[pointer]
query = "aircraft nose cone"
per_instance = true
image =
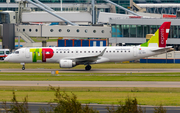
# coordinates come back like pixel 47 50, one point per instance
pixel 6 59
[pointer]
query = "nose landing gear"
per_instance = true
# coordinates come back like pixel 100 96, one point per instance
pixel 88 67
pixel 23 68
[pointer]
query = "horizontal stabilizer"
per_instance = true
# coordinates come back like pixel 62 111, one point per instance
pixel 167 49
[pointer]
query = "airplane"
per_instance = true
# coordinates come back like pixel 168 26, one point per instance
pixel 69 57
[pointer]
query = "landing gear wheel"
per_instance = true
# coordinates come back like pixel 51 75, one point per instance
pixel 23 64
pixel 88 67
pixel 23 68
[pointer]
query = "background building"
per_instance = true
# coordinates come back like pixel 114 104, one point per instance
pixel 158 6
pixel 69 5
pixel 125 28
pixel 133 30
pixel 151 6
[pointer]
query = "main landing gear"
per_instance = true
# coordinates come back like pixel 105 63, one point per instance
pixel 88 67
pixel 23 64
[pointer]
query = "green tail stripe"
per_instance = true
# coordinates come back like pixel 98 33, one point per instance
pixel 153 39
pixel 144 44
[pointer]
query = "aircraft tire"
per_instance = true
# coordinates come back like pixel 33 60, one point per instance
pixel 23 68
pixel 88 67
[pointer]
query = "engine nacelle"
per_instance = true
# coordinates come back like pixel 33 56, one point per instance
pixel 67 63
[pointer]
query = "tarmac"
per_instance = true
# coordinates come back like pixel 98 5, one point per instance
pixel 94 70
pixel 92 83
pixel 34 107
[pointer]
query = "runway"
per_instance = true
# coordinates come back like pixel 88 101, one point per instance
pixel 92 83
pixel 34 107
pixel 94 70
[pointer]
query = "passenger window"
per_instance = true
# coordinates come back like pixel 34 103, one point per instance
pixel 124 51
pixel 80 51
pixel 121 51
pixel 129 51
pixel 96 51
pixel 84 51
pixel 60 51
pixel 118 51
pixel 76 51
pixel 71 51
pixel 88 51
pixel 114 51
pixel 64 51
pixel 92 51
pixel 7 52
pixel 100 51
pixel 56 51
pixel 110 51
pixel 106 51
pixel 68 52
pixel 48 52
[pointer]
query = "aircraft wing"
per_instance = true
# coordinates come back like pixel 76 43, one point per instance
pixel 87 58
pixel 167 49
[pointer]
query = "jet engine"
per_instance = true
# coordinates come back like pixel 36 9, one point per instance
pixel 67 63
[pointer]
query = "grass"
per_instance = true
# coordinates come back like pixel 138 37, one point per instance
pixel 35 40
pixel 90 76
pixel 21 40
pixel 145 96
pixel 110 65
pixel 92 89
pixel 50 40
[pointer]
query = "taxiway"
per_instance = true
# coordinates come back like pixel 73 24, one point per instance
pixel 92 83
pixel 95 70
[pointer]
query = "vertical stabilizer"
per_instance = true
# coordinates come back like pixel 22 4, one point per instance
pixel 160 37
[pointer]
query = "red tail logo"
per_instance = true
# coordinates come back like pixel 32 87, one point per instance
pixel 163 33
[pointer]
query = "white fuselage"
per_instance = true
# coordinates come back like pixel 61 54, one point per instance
pixel 111 54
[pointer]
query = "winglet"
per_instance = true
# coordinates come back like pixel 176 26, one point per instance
pixel 160 37
pixel 101 54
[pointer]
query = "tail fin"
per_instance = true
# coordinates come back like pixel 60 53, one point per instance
pixel 160 37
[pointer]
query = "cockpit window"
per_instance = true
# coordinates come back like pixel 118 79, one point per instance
pixel 16 52
pixel 7 52
pixel 1 52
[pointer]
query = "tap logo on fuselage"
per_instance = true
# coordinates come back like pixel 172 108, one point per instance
pixel 41 54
